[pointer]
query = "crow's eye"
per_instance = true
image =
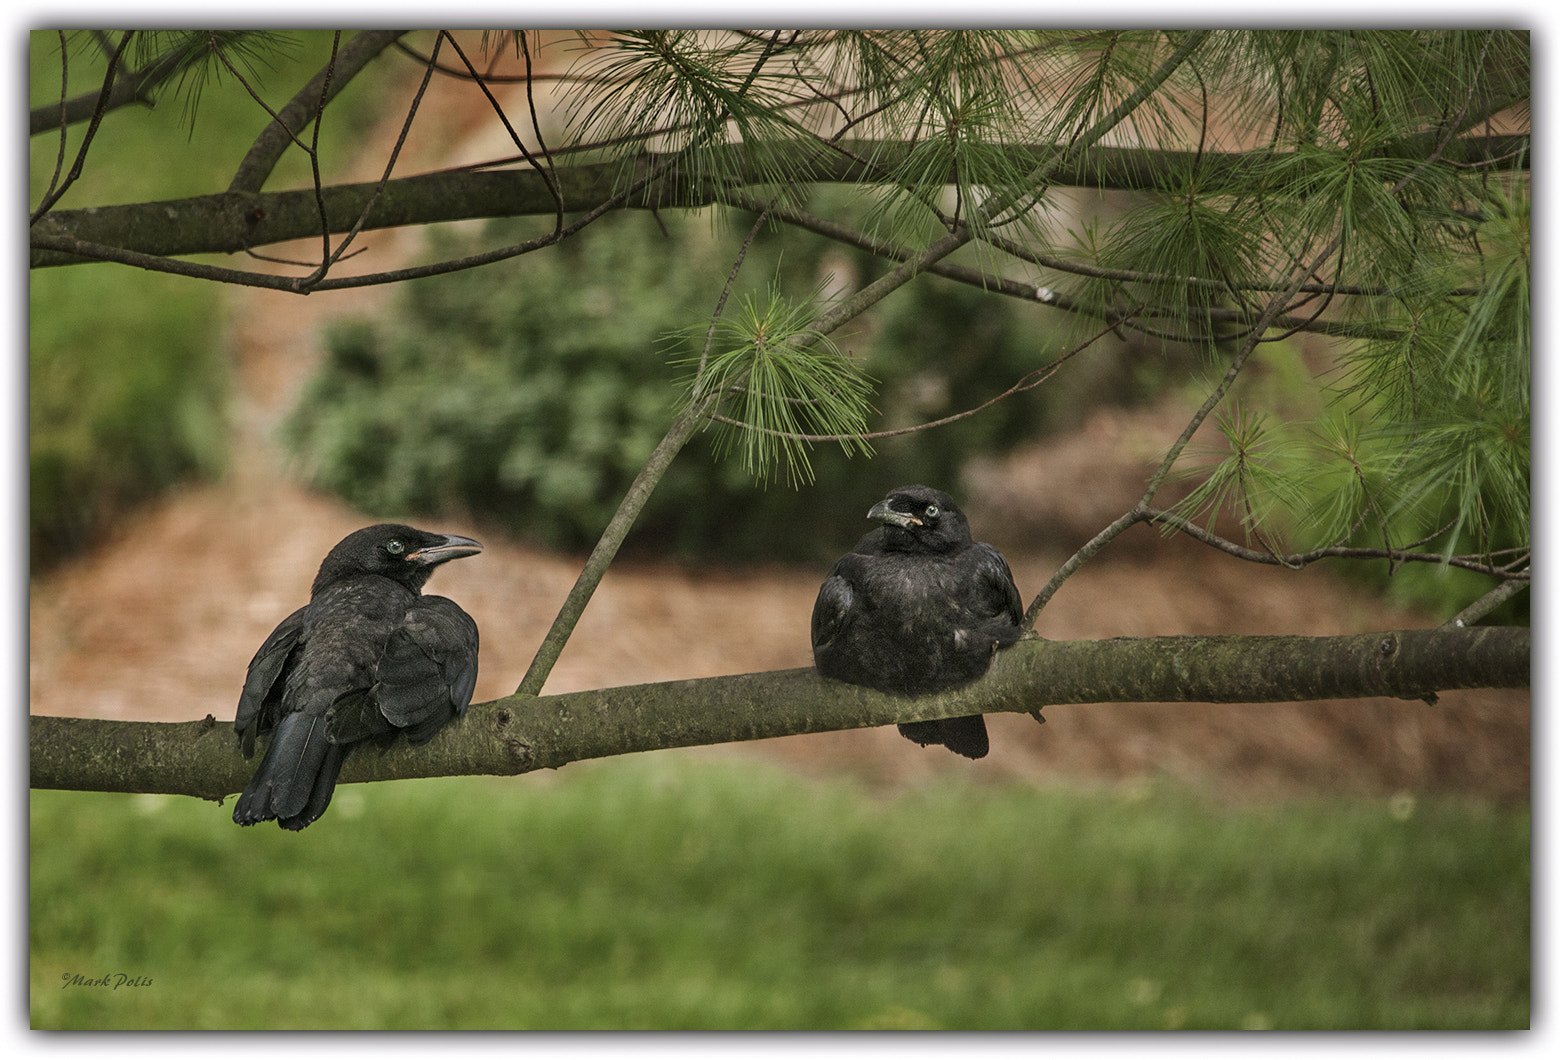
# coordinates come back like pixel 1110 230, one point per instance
pixel 394 546
pixel 932 511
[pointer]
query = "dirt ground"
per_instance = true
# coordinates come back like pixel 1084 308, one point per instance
pixel 159 622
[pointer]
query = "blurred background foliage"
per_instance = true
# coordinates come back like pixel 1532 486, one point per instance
pixel 528 394
pixel 128 379
pixel 125 398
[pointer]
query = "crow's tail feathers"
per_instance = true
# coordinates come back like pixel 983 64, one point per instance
pixel 965 736
pixel 296 777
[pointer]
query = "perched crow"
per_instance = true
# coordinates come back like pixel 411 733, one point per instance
pixel 366 658
pixel 918 606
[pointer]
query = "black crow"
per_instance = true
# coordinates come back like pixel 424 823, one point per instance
pixel 918 606
pixel 366 658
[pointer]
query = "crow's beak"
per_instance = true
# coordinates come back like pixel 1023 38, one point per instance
pixel 884 514
pixel 454 547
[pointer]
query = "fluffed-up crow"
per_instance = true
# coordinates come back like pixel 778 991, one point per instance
pixel 368 657
pixel 918 606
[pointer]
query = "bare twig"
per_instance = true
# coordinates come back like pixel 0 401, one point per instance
pixel 329 258
pixel 633 501
pixel 536 129
pixel 1480 563
pixel 311 149
pixel 59 157
pixel 273 140
pixel 1488 602
pixel 56 192
pixel 1135 514
pixel 482 82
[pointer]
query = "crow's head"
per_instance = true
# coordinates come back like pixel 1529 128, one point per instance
pixel 403 553
pixel 919 518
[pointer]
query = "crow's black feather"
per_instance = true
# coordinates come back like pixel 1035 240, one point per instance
pixel 918 607
pixel 367 658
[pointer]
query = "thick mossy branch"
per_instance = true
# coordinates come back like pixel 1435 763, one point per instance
pixel 521 733
pixel 235 221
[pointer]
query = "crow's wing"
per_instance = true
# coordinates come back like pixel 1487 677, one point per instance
pixel 355 717
pixel 832 611
pixel 996 582
pixel 428 669
pixel 265 670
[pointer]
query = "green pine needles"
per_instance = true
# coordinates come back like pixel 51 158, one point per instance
pixel 779 387
pixel 1259 159
pixel 1284 185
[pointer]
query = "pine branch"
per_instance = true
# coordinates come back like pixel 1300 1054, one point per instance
pixel 1512 578
pixel 240 219
pixel 1110 315
pixel 273 141
pixel 523 733
pixel 57 187
pixel 639 491
pixel 611 540
pixel 1256 335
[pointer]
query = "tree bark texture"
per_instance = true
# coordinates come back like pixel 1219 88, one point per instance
pixel 234 221
pixel 520 733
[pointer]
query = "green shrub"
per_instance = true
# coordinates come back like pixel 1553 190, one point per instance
pixel 529 394
pixel 118 417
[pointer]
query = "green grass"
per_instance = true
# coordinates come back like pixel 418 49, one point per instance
pixel 664 891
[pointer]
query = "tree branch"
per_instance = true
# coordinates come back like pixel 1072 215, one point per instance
pixel 1479 564
pixel 136 87
pixel 518 734
pixel 241 219
pixel 633 502
pixel 272 142
pixel 611 540
pixel 57 188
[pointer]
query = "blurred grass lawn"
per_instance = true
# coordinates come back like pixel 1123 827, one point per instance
pixel 683 892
